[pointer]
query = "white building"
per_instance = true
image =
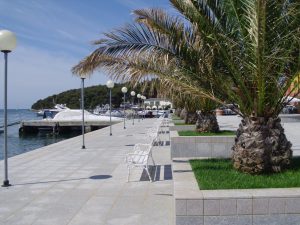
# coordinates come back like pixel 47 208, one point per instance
pixel 158 103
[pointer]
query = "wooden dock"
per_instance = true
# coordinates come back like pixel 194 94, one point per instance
pixel 55 126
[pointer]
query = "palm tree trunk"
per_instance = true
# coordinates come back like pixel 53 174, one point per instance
pixel 261 146
pixel 207 122
pixel 190 118
pixel 183 113
pixel 177 112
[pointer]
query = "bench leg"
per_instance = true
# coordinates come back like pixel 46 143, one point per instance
pixel 146 168
pixel 128 173
pixel 152 159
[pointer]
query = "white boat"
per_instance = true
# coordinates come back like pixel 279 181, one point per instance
pixel 100 110
pixel 76 115
pixel 51 112
pixel 115 113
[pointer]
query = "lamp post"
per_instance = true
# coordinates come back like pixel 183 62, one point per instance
pixel 124 91
pixel 144 98
pixel 8 42
pixel 82 77
pixel 110 84
pixel 132 94
pixel 139 97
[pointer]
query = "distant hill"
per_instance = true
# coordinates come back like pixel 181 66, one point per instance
pixel 93 96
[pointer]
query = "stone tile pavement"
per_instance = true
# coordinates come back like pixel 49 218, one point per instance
pixel 62 184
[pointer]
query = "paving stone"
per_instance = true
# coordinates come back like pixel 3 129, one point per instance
pixel 292 205
pixel 228 207
pixel 281 219
pixel 194 207
pixel 261 206
pixel 189 220
pixel 244 206
pixel 181 207
pixel 211 207
pixel 277 205
pixel 228 220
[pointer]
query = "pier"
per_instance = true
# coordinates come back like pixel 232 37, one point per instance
pixel 63 184
pixel 10 124
pixel 56 126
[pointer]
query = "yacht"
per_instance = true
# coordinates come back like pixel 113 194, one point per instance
pixel 51 112
pixel 76 115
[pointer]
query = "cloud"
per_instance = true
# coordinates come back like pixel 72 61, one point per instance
pixel 49 23
pixel 52 37
pixel 34 74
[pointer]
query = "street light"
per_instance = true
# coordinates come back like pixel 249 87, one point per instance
pixel 110 84
pixel 124 90
pixel 132 94
pixel 139 97
pixel 82 76
pixel 8 42
pixel 144 98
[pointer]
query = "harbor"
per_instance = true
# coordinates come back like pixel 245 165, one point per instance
pixel 34 126
pixel 67 120
pixel 171 112
pixel 66 185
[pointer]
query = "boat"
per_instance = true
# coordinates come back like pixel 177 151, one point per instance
pixel 114 113
pixel 51 112
pixel 76 115
pixel 100 110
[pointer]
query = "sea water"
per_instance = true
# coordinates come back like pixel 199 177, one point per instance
pixel 18 143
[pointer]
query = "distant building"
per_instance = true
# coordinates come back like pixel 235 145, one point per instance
pixel 294 89
pixel 158 103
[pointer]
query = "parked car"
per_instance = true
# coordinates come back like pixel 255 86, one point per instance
pixel 227 109
pixel 289 109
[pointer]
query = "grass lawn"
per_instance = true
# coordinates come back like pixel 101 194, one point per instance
pixel 175 117
pixel 181 124
pixel 219 174
pixel 195 133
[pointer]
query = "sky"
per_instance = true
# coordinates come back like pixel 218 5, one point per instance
pixel 52 37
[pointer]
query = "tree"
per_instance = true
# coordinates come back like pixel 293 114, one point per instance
pixel 243 52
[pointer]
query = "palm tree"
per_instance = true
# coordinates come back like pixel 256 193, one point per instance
pixel 195 110
pixel 243 52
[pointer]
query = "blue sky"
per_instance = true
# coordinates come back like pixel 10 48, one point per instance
pixel 53 35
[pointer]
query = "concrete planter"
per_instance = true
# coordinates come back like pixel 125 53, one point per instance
pixel 200 146
pixel 239 207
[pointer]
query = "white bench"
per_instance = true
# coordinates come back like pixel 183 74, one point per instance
pixel 140 158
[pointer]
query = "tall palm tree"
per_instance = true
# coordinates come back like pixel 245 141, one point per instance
pixel 229 51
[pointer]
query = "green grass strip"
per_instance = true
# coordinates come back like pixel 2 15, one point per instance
pixel 181 124
pixel 214 174
pixel 195 133
pixel 175 117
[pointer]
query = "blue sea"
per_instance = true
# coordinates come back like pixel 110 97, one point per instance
pixel 18 144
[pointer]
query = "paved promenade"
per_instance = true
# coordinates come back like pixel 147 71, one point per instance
pixel 63 184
